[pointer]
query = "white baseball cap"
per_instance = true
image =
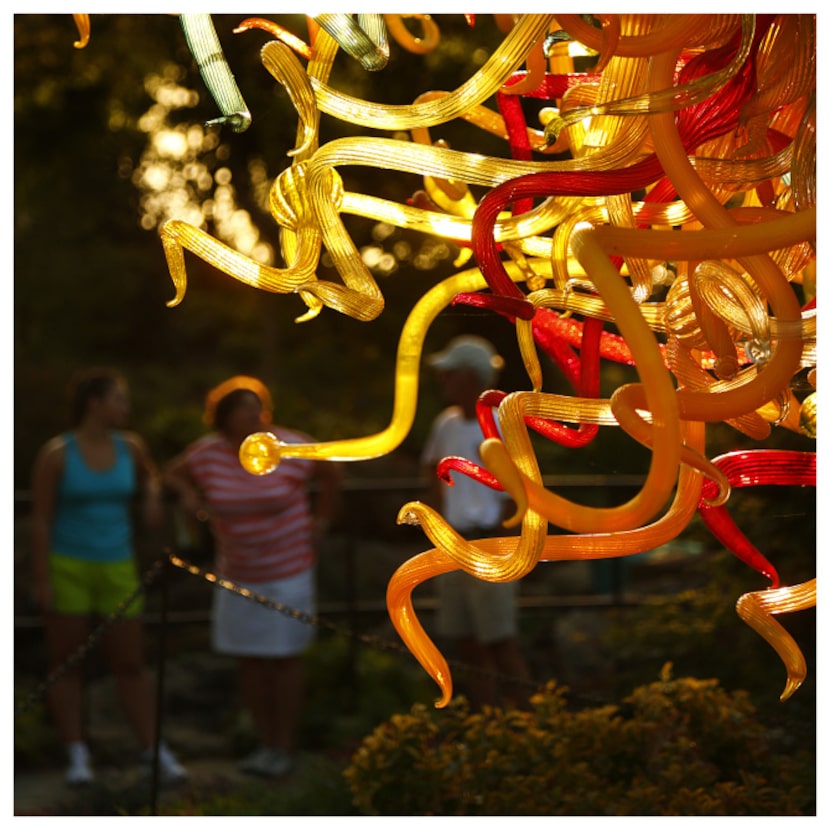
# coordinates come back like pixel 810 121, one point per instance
pixel 469 352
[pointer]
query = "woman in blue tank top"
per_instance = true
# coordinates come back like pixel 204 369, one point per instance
pixel 84 485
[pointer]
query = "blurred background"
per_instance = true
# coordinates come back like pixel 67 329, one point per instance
pixel 110 140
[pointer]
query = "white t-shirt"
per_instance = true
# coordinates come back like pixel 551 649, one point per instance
pixel 467 504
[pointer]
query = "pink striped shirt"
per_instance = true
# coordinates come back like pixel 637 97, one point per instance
pixel 262 525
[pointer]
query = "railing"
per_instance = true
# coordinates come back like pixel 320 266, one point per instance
pixel 367 518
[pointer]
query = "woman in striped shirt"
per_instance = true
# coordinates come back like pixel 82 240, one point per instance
pixel 264 531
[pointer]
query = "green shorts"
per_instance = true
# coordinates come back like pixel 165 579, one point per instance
pixel 82 587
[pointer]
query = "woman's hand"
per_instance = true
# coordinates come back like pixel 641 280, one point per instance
pixel 192 504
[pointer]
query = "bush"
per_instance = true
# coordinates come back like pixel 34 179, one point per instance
pixel 692 625
pixel 674 747
pixel 35 741
pixel 352 688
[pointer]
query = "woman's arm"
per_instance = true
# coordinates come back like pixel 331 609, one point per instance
pixel 149 481
pixel 46 474
pixel 176 477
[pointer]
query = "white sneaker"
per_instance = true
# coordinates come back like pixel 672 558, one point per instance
pixel 256 762
pixel 170 770
pixel 79 771
pixel 267 761
pixel 279 763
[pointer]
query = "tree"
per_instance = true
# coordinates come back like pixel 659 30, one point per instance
pixel 90 279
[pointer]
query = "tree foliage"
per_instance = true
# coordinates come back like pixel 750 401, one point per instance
pixel 90 283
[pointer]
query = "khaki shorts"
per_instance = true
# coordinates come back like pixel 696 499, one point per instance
pixel 80 587
pixel 471 607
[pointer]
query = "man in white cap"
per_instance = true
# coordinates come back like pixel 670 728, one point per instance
pixel 481 616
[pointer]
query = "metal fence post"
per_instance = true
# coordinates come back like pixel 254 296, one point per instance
pixel 160 664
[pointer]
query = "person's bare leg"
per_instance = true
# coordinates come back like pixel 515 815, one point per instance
pixel 125 654
pixel 255 687
pixel 509 662
pixel 65 634
pixel 483 686
pixel 287 688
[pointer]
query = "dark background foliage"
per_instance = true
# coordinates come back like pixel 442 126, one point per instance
pixel 90 284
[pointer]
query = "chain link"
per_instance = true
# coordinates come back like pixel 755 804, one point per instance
pixel 152 575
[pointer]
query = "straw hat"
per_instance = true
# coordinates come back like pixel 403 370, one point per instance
pixel 224 389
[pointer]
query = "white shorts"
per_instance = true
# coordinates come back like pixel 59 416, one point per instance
pixel 245 627
pixel 471 607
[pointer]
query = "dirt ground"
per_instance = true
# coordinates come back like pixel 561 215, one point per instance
pixel 195 726
pixel 44 792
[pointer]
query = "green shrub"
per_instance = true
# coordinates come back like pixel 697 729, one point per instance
pixel 35 740
pixel 674 747
pixel 692 625
pixel 352 688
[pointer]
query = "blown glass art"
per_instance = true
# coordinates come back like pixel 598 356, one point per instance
pixel 683 160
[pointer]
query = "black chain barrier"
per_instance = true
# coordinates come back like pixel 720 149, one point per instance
pixel 369 640
pixel 153 573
